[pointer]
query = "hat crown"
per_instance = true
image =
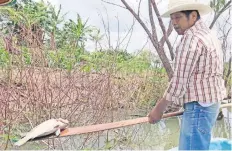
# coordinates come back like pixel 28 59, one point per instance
pixel 180 5
pixel 174 3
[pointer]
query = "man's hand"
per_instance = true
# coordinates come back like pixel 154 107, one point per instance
pixel 157 112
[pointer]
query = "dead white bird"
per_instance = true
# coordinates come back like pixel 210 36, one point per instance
pixel 45 128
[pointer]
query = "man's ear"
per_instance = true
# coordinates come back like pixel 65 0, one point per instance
pixel 194 15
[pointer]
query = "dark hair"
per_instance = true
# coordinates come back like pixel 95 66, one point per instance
pixel 188 12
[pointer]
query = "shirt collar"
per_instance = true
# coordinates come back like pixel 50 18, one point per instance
pixel 198 25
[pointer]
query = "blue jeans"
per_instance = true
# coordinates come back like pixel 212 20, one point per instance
pixel 196 126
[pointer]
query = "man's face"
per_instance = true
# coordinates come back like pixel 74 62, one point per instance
pixel 181 23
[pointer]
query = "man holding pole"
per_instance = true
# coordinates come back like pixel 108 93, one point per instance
pixel 197 83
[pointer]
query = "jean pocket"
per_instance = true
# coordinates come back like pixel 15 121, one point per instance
pixel 206 121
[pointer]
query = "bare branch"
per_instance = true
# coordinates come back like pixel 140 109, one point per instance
pixel 228 72
pixel 113 4
pixel 106 28
pixel 130 31
pixel 163 28
pixel 139 7
pixel 141 49
pixel 226 33
pixel 225 37
pixel 118 40
pixel 217 15
pixel 170 28
pixel 159 49
pixel 154 33
pixel 139 20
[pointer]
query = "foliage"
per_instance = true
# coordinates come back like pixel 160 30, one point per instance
pixel 4 58
pixel 217 4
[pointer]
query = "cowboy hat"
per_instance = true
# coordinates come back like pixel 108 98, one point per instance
pixel 7 2
pixel 181 5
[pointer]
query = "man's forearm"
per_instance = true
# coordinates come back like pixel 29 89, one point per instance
pixel 157 112
pixel 162 105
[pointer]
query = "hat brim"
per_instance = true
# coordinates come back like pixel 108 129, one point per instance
pixel 7 2
pixel 203 9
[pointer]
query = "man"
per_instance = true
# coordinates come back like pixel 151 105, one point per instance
pixel 197 83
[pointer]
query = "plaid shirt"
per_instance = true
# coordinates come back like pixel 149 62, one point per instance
pixel 198 68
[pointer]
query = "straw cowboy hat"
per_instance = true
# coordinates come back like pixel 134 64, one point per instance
pixel 7 2
pixel 181 5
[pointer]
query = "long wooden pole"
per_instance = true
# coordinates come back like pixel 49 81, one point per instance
pixel 108 126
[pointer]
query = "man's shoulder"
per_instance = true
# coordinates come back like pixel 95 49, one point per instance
pixel 192 36
pixel 200 33
pixel 204 35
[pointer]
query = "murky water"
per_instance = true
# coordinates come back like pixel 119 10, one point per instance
pixel 161 136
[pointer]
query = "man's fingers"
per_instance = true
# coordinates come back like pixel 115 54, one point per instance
pixel 150 120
